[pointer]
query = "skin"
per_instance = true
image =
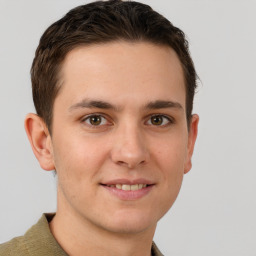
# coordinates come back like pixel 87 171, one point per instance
pixel 134 137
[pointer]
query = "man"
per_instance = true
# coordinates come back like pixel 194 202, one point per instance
pixel 113 86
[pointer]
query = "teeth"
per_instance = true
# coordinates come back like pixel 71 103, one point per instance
pixel 135 187
pixel 119 186
pixel 140 186
pixel 128 187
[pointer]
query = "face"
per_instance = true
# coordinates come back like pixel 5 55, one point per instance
pixel 120 143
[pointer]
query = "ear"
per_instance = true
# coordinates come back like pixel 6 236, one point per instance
pixel 192 134
pixel 40 141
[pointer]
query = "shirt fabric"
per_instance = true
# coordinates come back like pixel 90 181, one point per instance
pixel 39 241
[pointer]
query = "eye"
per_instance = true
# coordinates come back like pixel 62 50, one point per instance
pixel 95 120
pixel 159 120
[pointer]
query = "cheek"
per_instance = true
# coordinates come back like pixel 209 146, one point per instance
pixel 78 159
pixel 75 173
pixel 171 156
pixel 74 149
pixel 171 162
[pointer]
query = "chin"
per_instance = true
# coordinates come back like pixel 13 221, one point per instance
pixel 131 223
pixel 131 228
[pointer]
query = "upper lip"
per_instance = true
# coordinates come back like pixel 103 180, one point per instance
pixel 128 182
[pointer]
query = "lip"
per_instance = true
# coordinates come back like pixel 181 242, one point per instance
pixel 128 195
pixel 128 182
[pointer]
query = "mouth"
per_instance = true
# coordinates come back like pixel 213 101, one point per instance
pixel 128 187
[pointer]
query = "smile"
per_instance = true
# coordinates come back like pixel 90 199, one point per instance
pixel 128 187
pixel 129 190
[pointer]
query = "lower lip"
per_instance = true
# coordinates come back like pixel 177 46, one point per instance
pixel 129 194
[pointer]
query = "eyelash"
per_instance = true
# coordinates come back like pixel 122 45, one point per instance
pixel 165 119
pixel 168 120
pixel 97 115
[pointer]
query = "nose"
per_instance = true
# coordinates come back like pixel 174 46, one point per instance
pixel 129 148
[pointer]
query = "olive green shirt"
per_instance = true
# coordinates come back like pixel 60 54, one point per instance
pixel 39 241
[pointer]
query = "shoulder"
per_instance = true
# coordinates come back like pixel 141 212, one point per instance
pixel 14 247
pixel 38 240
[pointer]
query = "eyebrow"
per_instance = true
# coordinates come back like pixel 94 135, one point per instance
pixel 86 103
pixel 158 104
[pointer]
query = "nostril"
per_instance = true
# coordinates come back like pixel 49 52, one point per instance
pixel 130 164
pixel 121 163
pixel 129 156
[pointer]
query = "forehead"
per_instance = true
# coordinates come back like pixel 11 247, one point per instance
pixel 119 70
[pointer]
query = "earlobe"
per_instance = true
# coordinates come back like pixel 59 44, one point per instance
pixel 40 141
pixel 192 135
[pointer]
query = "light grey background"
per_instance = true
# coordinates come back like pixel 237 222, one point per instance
pixel 215 213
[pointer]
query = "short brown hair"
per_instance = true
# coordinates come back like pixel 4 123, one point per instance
pixel 102 22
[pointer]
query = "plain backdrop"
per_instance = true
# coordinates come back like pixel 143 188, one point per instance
pixel 215 213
